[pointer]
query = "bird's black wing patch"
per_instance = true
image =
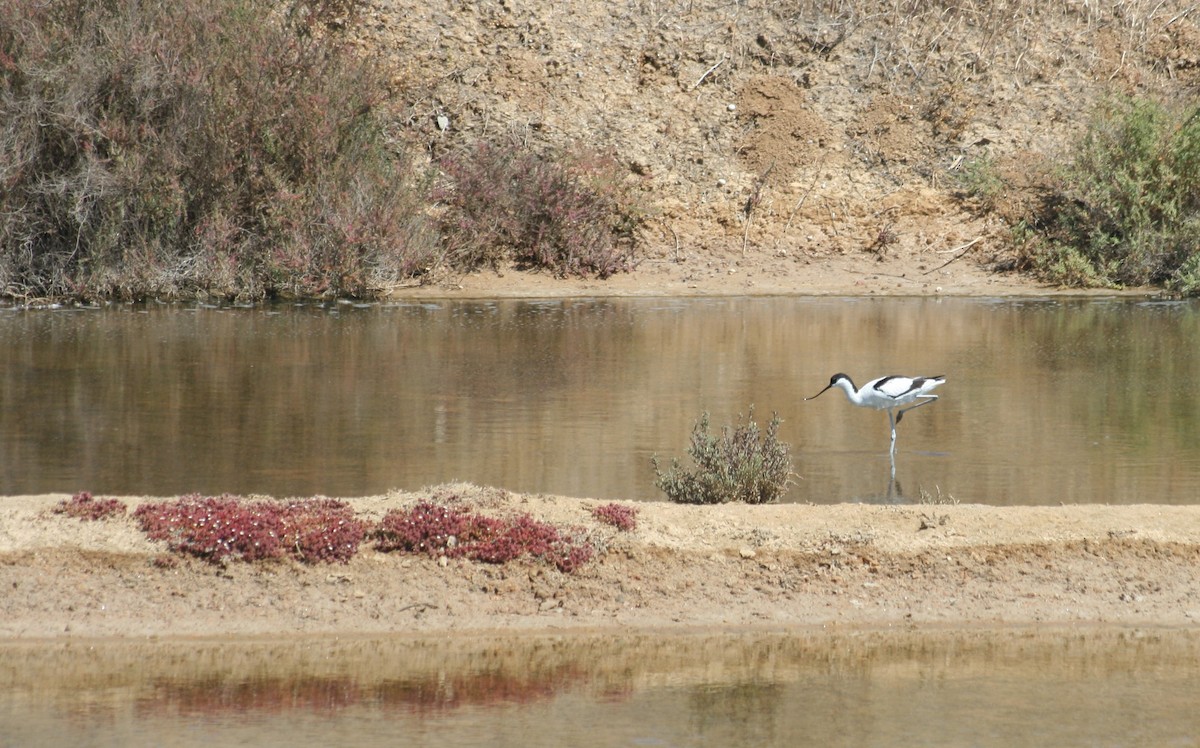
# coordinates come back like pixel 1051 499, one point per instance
pixel 912 385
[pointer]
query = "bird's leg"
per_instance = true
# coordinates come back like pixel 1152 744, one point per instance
pixel 893 420
pixel 927 399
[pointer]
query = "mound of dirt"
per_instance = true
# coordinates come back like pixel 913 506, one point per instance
pixel 682 567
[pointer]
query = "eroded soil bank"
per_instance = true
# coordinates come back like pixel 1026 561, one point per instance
pixel 683 568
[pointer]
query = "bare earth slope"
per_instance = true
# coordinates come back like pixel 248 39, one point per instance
pixel 783 147
pixel 759 567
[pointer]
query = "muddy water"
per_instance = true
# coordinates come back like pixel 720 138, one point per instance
pixel 1061 688
pixel 1046 401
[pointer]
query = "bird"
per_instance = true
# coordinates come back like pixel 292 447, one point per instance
pixel 888 393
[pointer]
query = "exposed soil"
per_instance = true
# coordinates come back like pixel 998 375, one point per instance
pixel 682 568
pixel 786 147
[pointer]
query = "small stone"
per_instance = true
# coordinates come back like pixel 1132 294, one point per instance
pixel 747 553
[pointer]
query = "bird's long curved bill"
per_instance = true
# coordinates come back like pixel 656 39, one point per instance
pixel 814 397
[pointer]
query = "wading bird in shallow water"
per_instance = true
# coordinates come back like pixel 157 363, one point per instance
pixel 888 393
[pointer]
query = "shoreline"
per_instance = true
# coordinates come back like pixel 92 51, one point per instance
pixel 756 276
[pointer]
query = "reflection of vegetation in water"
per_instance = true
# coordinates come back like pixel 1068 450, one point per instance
pixel 746 713
pixel 1129 358
pixel 430 695
pixel 728 688
pixel 309 383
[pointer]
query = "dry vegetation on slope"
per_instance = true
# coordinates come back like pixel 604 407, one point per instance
pixel 780 147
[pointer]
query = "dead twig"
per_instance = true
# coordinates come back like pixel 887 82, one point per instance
pixel 1179 15
pixel 752 203
pixel 422 606
pixel 800 203
pixel 962 250
pixel 708 72
pixel 832 220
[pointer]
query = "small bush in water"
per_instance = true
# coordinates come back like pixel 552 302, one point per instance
pixel 743 464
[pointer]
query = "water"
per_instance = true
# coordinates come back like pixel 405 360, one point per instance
pixel 983 688
pixel 1047 401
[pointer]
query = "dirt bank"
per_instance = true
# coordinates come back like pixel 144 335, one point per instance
pixel 682 568
pixel 785 147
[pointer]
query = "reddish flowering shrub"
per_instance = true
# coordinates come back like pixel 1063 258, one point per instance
pixel 433 529
pixel 522 535
pixel 619 516
pixel 321 530
pixel 458 532
pixel 83 506
pixel 213 528
pixel 228 527
pixel 325 530
pixel 574 557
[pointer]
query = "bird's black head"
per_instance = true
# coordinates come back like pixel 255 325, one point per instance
pixel 832 383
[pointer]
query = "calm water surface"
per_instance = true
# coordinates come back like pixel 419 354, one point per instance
pixel 1046 401
pixel 822 689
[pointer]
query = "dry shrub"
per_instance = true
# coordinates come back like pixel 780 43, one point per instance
pixel 567 212
pixel 201 147
pixel 744 464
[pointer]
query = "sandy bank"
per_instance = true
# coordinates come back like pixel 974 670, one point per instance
pixel 682 568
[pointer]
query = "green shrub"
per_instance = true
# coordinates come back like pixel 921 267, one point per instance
pixel 567 212
pixel 979 179
pixel 1128 208
pixel 742 465
pixel 199 147
pixel 1186 281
